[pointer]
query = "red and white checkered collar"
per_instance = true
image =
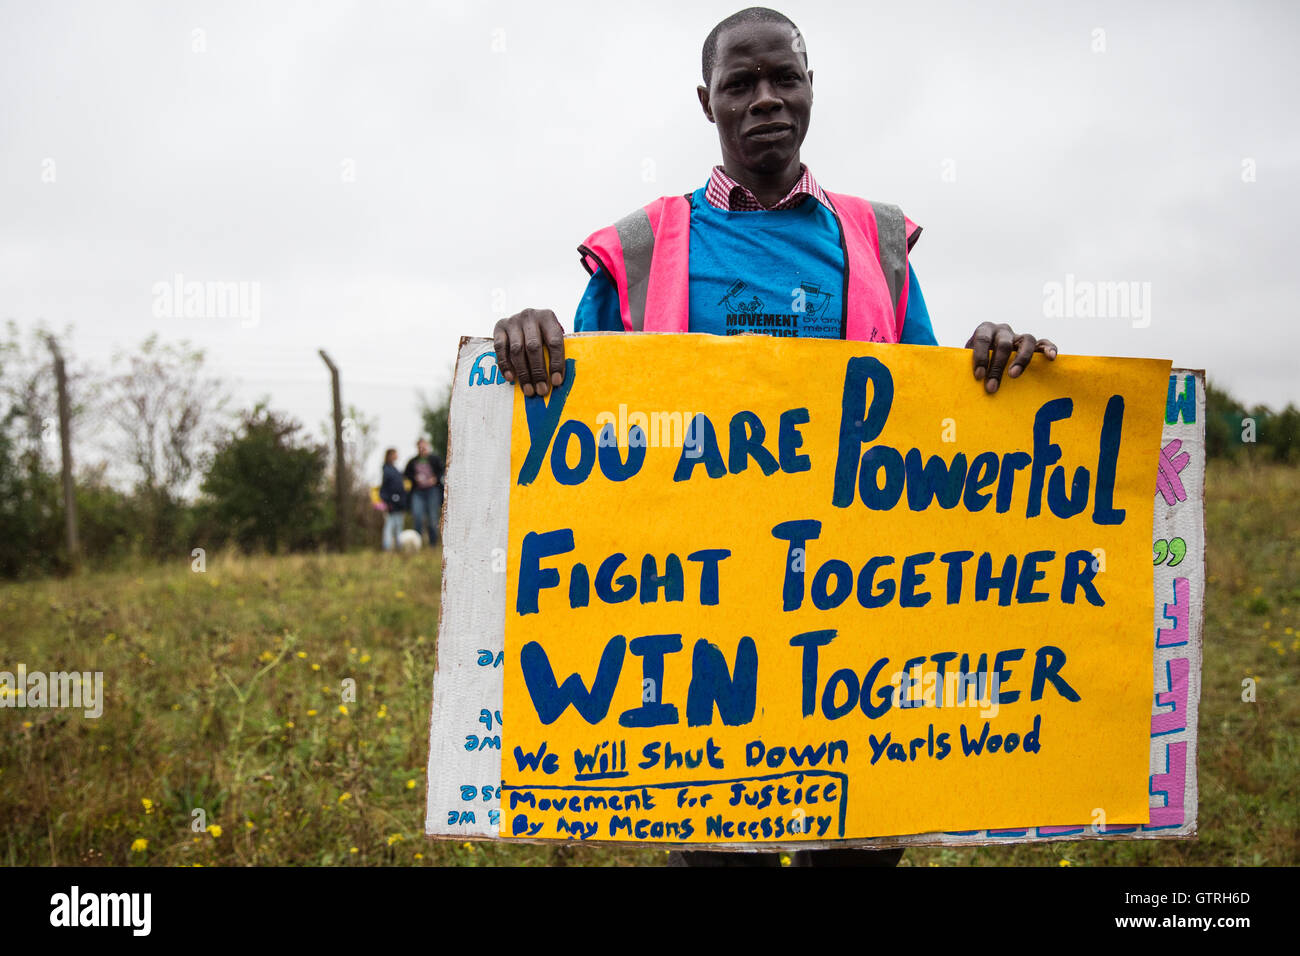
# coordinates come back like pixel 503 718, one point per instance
pixel 723 192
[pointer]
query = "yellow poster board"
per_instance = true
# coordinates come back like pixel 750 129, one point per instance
pixel 764 590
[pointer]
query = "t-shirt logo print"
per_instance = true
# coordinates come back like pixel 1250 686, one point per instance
pixel 423 473
pixel 815 301
pixel 736 305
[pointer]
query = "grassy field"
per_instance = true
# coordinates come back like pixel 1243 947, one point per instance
pixel 223 695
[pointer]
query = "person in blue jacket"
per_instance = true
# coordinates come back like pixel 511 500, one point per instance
pixel 392 493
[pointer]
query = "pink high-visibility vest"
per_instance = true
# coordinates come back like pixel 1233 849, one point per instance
pixel 647 253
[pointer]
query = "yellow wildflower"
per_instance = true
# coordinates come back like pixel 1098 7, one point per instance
pixel 215 830
pixel 140 845
pixel 147 804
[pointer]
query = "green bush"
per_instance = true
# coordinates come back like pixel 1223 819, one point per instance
pixel 30 525
pixel 265 487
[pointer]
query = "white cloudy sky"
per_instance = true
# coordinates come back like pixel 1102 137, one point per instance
pixel 487 139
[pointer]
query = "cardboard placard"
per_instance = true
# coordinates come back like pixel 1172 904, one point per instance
pixel 802 592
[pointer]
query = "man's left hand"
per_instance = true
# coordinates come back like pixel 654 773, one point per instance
pixel 993 346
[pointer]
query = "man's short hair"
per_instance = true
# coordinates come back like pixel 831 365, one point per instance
pixel 748 15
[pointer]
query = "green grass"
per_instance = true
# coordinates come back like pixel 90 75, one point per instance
pixel 223 693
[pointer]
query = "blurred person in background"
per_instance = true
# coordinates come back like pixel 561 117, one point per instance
pixel 424 472
pixel 392 495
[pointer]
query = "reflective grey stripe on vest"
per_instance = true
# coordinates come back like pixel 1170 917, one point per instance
pixel 638 241
pixel 891 235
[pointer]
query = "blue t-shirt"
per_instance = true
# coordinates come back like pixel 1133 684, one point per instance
pixel 777 272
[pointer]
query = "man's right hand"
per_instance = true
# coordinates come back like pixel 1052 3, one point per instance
pixel 524 344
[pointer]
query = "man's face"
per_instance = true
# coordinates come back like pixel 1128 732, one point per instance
pixel 760 96
pixel 423 448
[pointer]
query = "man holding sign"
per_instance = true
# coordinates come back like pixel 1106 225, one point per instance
pixel 761 248
pixel 702 263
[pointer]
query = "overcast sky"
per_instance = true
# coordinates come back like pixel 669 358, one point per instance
pixel 395 175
